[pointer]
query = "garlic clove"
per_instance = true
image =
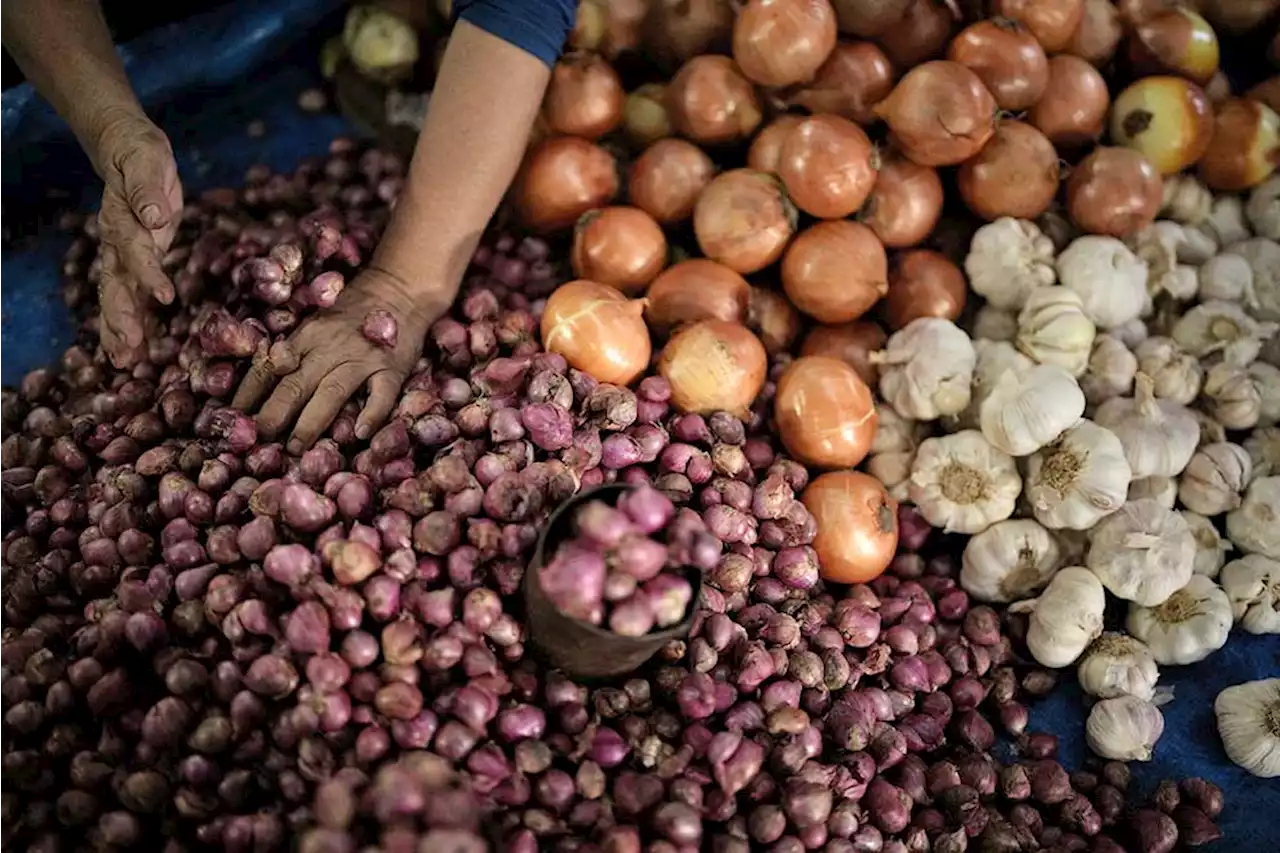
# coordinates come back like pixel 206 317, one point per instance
pixel 1249 725
pixel 1213 480
pixel 1211 547
pixel 1053 328
pixel 1116 664
pixel 1065 618
pixel 1125 728
pixel 1252 584
pixel 1254 526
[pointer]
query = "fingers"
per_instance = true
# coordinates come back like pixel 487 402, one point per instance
pixel 384 388
pixel 255 385
pixel 143 171
pixel 292 394
pixel 334 390
pixel 142 260
pixel 122 334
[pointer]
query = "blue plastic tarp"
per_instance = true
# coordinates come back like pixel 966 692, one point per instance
pixel 206 79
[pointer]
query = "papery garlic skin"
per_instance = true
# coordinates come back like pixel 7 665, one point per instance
pixel 1131 334
pixel 1025 411
pixel 894 470
pixel 1226 277
pixel 1065 618
pixel 1175 373
pixel 1158 436
pixel 1227 223
pixel 897 434
pixel 1254 526
pixel 1111 369
pixel 1252 584
pixel 1054 329
pixel 994 360
pixel 1211 548
pixel 1109 278
pixel 1186 200
pixel 1231 396
pixel 1263 256
pixel 1143 552
pixel 1079 479
pixel 1263 208
pixel 1008 259
pixel 1213 480
pixel 926 369
pixel 994 324
pixel 1188 626
pixel 962 484
pixel 1249 725
pixel 1116 664
pixel 1263 445
pixel 1125 728
pixel 1218 326
pixel 1162 490
pixel 1266 378
pixel 1009 561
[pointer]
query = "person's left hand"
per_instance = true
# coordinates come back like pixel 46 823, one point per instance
pixel 335 360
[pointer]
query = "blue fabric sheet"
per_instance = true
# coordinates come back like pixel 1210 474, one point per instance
pixel 206 79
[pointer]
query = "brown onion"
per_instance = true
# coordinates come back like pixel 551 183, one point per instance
pixel 666 180
pixel 1016 174
pixel 644 117
pixel 767 146
pixel 693 290
pixel 826 165
pixel 589 24
pixel 923 283
pixel 1099 34
pixel 743 219
pixel 622 247
pixel 1007 58
pixel 857 525
pixel 1175 42
pixel 783 42
pixel 852 343
pixel 1052 22
pixel 1238 16
pixel 563 178
pixel 714 366
pixel 624 25
pixel 584 97
pixel 597 330
pixel 1074 106
pixel 774 319
pixel 905 203
pixel 1168 120
pixel 710 101
pixel 678 30
pixel 1267 92
pixel 869 18
pixel 1134 12
pixel 825 413
pixel 1245 148
pixel 835 271
pixel 1114 191
pixel 856 76
pixel 940 114
pixel 922 34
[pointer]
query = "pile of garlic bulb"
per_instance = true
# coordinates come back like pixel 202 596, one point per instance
pixel 1118 438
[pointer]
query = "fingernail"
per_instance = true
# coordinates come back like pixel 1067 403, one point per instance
pixel 362 431
pixel 295 447
pixel 150 215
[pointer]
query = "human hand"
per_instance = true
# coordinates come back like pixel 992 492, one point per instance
pixel 334 360
pixel 141 211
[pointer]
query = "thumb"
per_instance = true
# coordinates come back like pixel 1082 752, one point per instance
pixel 143 172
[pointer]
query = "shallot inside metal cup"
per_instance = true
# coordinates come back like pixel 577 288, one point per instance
pixel 578 648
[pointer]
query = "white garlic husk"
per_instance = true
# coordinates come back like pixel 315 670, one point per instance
pixel 1009 561
pixel 994 324
pixel 1116 664
pixel 1131 333
pixel 1188 626
pixel 1158 247
pixel 1263 256
pixel 1266 378
pixel 1231 396
pixel 1162 490
pixel 1254 526
pixel 1252 584
pixel 1008 259
pixel 1027 410
pixel 896 434
pixel 1226 223
pixel 894 470
pixel 1249 725
pixel 1065 618
pixel 1125 728
pixel 1263 208
pixel 994 360
pixel 1054 329
pixel 1109 278
pixel 1142 552
pixel 1158 436
pixel 1211 548
pixel 1263 445
pixel 926 369
pixel 1214 478
pixel 1186 200
pixel 1175 373
pixel 1079 479
pixel 1110 372
pixel 1210 430
pixel 962 484
pixel 1227 277
pixel 1220 326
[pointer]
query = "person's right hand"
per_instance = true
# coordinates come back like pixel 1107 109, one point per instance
pixel 141 211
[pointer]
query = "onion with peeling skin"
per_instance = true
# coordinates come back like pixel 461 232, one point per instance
pixel 826 165
pixel 562 178
pixel 622 247
pixel 1052 22
pixel 584 97
pixel 693 290
pixel 766 148
pixel 783 42
pixel 852 343
pixel 1245 148
pixel 835 271
pixel 905 203
pixel 1099 33
pixel 597 330
pixel 714 366
pixel 1177 41
pixel 924 283
pixel 940 114
pixel 1015 174
pixel 1114 191
pixel 856 76
pixel 922 35
pixel 675 31
pixel 666 180
pixel 1007 58
pixel 1073 109
pixel 743 219
pixel 857 525
pixel 710 101
pixel 644 116
pixel 1168 120
pixel 825 413
pixel 774 319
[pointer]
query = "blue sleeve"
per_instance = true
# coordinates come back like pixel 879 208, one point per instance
pixel 539 27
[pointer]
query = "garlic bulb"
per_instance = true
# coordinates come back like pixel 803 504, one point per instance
pixel 1175 373
pixel 1254 526
pixel 1188 626
pixel 1116 664
pixel 1158 436
pixel 895 433
pixel 1142 552
pixel 1263 445
pixel 1210 430
pixel 1252 585
pixel 1186 200
pixel 1231 396
pixel 994 360
pixel 994 324
pixel 926 369
pixel 1054 329
pixel 1211 548
pixel 962 484
pixel 1263 208
pixel 1065 618
pixel 1162 490
pixel 1131 333
pixel 1162 245
pixel 1078 479
pixel 1263 256
pixel 1266 378
pixel 1110 370
pixel 1008 259
pixel 1219 326
pixel 1125 728
pixel 1025 411
pixel 1226 222
pixel 894 470
pixel 1009 561
pixel 1109 278
pixel 1214 478
pixel 1227 277
pixel 1249 725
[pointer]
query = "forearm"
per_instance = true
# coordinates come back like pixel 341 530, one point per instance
pixel 65 50
pixel 485 100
